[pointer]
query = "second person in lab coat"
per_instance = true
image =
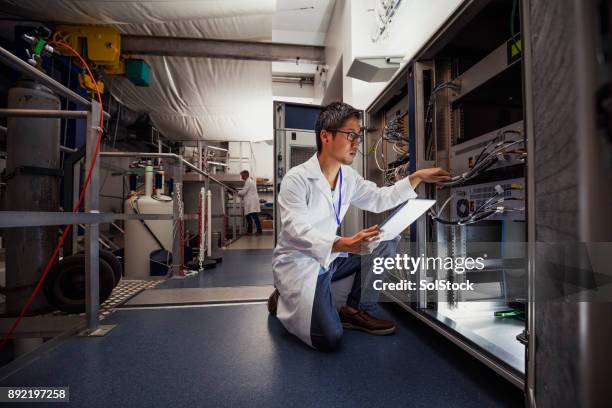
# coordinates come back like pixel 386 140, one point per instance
pixel 251 202
pixel 309 255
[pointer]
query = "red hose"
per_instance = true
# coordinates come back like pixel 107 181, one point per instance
pixel 55 255
pixel 200 221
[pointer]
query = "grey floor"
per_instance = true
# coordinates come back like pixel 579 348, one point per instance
pixel 239 268
pixel 264 241
pixel 239 356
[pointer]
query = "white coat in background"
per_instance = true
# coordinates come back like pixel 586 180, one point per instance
pixel 249 197
pixel 308 231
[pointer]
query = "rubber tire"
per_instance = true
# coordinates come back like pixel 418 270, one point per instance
pixel 65 284
pixel 113 261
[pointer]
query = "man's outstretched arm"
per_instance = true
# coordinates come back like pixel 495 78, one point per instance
pixel 368 196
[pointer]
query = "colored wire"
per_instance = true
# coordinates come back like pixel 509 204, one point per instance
pixel 375 154
pixel 483 163
pixel 484 211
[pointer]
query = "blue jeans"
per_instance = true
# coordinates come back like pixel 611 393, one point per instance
pixel 325 326
pixel 252 217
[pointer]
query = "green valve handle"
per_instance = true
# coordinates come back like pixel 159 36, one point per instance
pixel 508 313
pixel 39 46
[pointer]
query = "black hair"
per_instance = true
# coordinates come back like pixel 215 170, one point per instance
pixel 333 116
pixel 244 173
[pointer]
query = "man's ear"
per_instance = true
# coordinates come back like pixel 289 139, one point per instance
pixel 325 136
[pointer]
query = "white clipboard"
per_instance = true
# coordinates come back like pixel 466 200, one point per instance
pixel 402 217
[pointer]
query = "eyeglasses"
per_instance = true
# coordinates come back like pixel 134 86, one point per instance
pixel 352 137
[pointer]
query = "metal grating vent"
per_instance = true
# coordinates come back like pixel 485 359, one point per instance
pixel 300 154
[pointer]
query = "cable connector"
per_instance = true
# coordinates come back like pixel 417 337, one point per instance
pixel 40 48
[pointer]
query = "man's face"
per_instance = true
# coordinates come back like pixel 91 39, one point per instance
pixel 243 176
pixel 339 147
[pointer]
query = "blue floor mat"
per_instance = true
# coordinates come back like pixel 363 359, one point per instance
pixel 239 356
pixel 244 267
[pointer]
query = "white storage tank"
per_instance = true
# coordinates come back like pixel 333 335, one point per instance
pixel 139 242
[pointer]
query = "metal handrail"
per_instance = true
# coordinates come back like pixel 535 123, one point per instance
pixel 44 113
pixel 172 156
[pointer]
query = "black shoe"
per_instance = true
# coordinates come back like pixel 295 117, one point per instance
pixel 273 302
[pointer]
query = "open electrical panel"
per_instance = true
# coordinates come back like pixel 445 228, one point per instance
pixel 459 105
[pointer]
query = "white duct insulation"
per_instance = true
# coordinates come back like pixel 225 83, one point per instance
pixel 138 11
pixel 189 98
pixel 203 98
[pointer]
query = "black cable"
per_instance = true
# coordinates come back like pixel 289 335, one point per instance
pixel 477 215
pixel 445 222
pixel 500 144
pixel 482 216
pixel 488 202
pixel 429 114
pixel 481 165
pixel 483 151
pixel 475 171
pixel 473 218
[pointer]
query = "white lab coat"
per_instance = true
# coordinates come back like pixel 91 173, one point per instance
pixel 308 231
pixel 249 197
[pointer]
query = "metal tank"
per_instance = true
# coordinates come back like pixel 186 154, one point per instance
pixel 140 241
pixel 32 184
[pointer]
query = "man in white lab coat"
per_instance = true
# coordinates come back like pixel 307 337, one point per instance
pixel 309 255
pixel 250 198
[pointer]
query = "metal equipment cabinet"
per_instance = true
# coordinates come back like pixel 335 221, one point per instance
pixel 528 72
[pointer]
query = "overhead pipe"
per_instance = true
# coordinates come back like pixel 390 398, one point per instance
pixel 226 49
pixel 293 80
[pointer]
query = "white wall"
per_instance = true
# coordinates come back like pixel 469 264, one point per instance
pixel 264 159
pixel 338 45
pixel 301 21
pixel 293 92
pixel 263 152
pixel 334 90
pixel 415 22
pixel 362 46
pixel 351 30
pixel 338 54
pixel 349 36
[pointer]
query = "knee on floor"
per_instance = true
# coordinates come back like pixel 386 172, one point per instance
pixel 329 340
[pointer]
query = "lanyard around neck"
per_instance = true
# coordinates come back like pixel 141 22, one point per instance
pixel 337 212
